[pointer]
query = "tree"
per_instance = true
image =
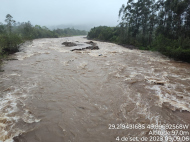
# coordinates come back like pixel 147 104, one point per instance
pixel 2 28
pixel 9 22
pixel 162 25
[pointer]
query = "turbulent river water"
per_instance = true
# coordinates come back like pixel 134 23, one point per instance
pixel 53 94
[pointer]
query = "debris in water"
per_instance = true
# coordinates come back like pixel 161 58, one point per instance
pixel 159 82
pixel 82 107
pixel 155 81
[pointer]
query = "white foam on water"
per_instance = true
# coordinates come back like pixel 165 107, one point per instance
pixel 11 99
pixel 8 109
pixel 14 74
pixel 107 63
pixel 171 99
pixel 28 117
pixel 140 108
pixel 60 49
pixel 94 54
pixel 83 65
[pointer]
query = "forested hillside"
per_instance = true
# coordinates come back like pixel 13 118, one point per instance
pixel 162 25
pixel 13 33
pixel 69 32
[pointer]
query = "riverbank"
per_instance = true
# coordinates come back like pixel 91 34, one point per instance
pixel 176 48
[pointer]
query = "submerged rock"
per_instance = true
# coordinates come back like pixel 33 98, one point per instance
pixel 69 44
pixel 91 42
pixel 89 47
pixel 92 47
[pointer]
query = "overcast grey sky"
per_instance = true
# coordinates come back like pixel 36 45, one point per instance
pixel 56 12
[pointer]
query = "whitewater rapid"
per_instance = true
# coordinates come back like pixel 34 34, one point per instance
pixel 53 94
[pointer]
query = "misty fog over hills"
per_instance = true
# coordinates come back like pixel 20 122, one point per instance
pixel 85 27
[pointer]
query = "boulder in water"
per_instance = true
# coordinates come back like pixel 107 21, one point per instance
pixel 69 44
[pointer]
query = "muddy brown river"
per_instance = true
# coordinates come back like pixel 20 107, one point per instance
pixel 53 94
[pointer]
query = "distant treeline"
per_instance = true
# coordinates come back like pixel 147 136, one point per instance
pixel 162 25
pixel 69 32
pixel 13 33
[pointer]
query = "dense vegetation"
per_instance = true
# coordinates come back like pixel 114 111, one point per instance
pixel 162 25
pixel 13 33
pixel 69 32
